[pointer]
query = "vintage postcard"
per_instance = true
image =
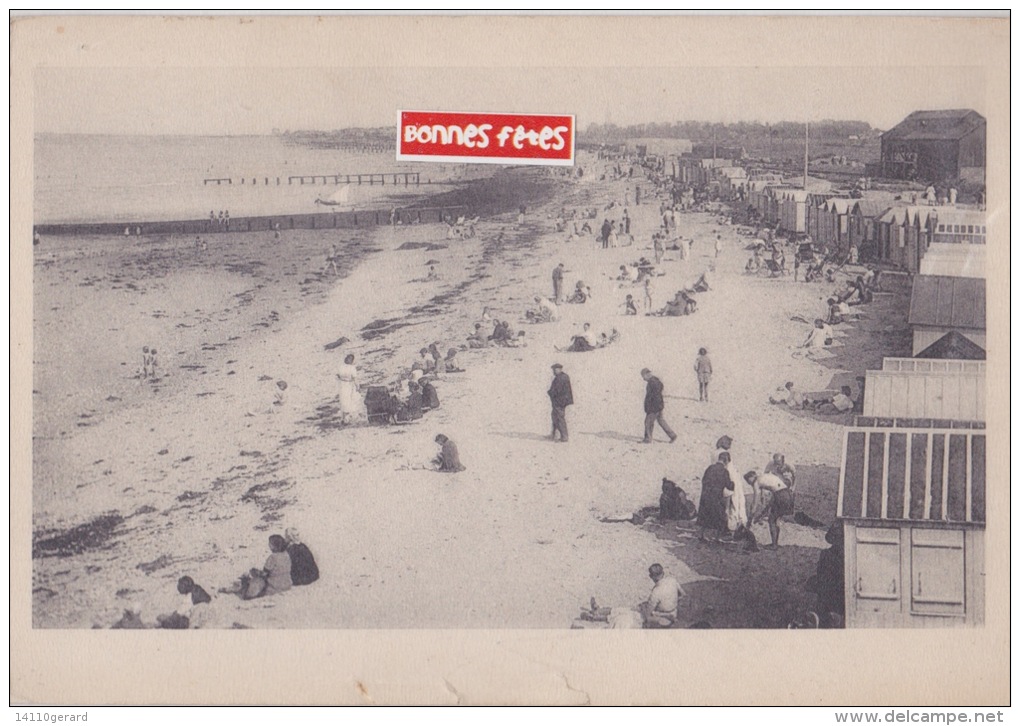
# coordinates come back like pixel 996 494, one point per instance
pixel 407 360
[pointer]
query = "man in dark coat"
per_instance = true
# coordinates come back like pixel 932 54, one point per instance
pixel 712 506
pixel 561 396
pixel 557 276
pixel 654 406
pixel 607 229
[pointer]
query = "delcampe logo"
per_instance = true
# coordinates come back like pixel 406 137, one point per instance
pixel 485 138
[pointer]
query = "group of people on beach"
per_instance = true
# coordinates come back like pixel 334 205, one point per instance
pixel 150 364
pixel 221 222
pixel 290 564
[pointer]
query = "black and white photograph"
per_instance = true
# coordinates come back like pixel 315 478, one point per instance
pixel 725 370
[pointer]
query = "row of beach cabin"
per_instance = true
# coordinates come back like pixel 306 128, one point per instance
pixel 884 229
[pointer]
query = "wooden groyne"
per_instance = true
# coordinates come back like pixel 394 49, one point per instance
pixel 267 223
pixel 394 178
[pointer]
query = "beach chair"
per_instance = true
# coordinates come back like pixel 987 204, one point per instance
pixel 379 405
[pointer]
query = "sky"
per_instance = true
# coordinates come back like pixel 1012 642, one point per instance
pixel 227 101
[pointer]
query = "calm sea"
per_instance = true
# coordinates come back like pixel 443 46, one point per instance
pixel 85 178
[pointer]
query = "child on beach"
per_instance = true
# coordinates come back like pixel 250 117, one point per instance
pixel 281 386
pixel 331 261
pixel 153 364
pixel 631 308
pixel 648 293
pixel 145 362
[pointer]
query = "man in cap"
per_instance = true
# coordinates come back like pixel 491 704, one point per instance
pixel 561 396
pixel 654 406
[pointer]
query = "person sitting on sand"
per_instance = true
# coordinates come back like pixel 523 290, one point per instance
pixel 437 357
pixel 430 399
pixel 477 339
pixel 661 608
pixel 690 305
pixel 131 619
pixel 673 503
pixel 701 285
pixel 787 395
pixel 486 315
pixel 840 403
pixel 863 292
pixel 281 388
pixel 427 362
pixel 448 459
pixel 753 265
pixel 545 311
pixel 581 294
pixel 450 363
pixel 273 578
pixel 819 337
pixel 303 570
pixel 584 342
pixel 187 612
pixel 629 307
pixel 837 311
pixel 628 273
pixel 433 275
pixel 500 332
pixel 518 341
pixel 411 410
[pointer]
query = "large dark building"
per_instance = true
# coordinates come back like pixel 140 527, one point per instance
pixel 936 146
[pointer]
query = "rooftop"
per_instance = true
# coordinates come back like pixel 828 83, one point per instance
pixel 953 302
pixel 948 124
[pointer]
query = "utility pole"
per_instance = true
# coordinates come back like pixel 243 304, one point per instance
pixel 805 153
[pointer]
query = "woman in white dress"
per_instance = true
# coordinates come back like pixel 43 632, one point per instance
pixel 348 375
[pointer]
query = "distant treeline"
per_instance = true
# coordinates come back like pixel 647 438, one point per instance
pixel 722 133
pixel 340 138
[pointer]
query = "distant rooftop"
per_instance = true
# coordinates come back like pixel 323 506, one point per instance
pixel 930 125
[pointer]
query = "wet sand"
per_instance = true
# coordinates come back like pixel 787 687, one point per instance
pixel 190 475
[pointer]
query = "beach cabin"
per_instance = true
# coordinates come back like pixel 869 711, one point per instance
pixel 864 216
pixel 943 389
pixel 793 211
pixel 834 224
pixel 732 182
pixel 954 260
pixel 940 304
pixel 953 346
pixel 904 234
pixel 912 503
pixel 958 244
pixel 758 195
pixel 959 226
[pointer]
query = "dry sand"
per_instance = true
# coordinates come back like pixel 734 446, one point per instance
pixel 191 474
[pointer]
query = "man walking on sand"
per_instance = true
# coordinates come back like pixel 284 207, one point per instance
pixel 654 406
pixel 558 283
pixel 561 396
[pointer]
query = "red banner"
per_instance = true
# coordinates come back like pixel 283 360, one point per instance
pixel 485 138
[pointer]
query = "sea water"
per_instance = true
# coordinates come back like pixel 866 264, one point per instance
pixel 105 178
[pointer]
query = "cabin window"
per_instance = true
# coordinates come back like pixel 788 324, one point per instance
pixel 942 228
pixel 937 565
pixel 970 229
pixel 878 564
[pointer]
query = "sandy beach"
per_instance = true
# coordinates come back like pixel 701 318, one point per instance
pixel 136 483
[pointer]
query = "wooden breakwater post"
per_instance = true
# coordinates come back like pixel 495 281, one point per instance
pixel 372 178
